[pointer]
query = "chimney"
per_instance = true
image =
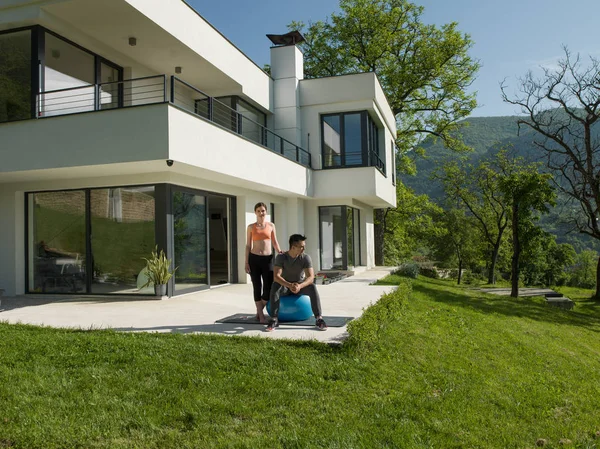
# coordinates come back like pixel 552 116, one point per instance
pixel 287 69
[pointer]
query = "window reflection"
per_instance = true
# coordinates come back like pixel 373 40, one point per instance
pixel 15 76
pixel 189 229
pixel 57 242
pixel 122 222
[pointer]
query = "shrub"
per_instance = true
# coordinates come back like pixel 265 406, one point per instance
pixel 409 269
pixel 430 272
pixel 471 278
pixel 365 332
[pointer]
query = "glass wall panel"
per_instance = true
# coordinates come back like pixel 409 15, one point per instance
pixel 122 222
pixel 252 122
pixel 109 91
pixel 350 236
pixel 332 237
pixel 352 139
pixel 356 222
pixel 332 141
pixel 67 67
pixel 15 76
pixel 190 236
pixel 56 223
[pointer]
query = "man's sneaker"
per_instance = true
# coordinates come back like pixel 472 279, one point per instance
pixel 321 324
pixel 272 325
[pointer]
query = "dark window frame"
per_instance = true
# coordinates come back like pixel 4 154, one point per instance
pixel 163 232
pixel 357 229
pixel 370 141
pixel 38 62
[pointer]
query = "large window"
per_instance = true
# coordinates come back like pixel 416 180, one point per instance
pixel 90 241
pixel 122 230
pixel 190 241
pixel 340 237
pixel 15 76
pixel 42 74
pixel 351 139
pixel 57 242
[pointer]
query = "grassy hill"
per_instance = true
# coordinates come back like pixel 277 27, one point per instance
pixel 441 367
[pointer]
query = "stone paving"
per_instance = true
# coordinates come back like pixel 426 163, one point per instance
pixel 193 313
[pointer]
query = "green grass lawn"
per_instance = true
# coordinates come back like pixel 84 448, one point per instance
pixel 452 368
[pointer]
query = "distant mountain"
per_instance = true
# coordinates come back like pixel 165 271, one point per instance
pixel 486 136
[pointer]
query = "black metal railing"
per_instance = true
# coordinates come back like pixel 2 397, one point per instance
pixel 193 100
pixel 96 97
pixel 155 89
pixel 375 161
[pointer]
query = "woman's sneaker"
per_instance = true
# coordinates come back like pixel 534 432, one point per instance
pixel 321 324
pixel 272 325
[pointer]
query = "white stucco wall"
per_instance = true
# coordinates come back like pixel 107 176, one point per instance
pixel 200 143
pixel 107 137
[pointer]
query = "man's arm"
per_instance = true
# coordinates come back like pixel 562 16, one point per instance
pixel 277 277
pixel 309 278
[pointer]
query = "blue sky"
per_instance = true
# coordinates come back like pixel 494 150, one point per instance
pixel 511 36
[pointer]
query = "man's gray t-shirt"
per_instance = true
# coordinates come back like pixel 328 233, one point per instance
pixel 293 268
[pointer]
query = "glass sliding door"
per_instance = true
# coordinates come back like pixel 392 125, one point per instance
pixel 66 67
pixel 350 236
pixel 110 89
pixel 332 237
pixel 122 234
pixel 219 242
pixel 340 237
pixel 56 242
pixel 15 76
pixel 356 233
pixel 190 241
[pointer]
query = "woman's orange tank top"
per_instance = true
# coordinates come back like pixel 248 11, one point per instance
pixel 261 233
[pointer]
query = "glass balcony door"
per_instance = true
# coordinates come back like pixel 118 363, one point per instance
pixel 339 228
pixel 190 240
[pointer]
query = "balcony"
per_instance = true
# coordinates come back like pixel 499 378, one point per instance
pixel 163 89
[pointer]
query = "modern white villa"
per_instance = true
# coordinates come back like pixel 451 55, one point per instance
pixel 126 124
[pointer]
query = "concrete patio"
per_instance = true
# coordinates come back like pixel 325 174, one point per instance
pixel 193 313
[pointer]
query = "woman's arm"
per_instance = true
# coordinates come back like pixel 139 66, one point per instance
pixel 274 240
pixel 248 246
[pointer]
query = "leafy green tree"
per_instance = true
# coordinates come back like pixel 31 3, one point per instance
pixel 559 258
pixel 424 70
pixel 409 225
pixel 456 244
pixel 477 190
pixel 528 192
pixel 583 273
pixel 563 109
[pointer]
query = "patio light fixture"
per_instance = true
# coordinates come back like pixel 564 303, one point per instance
pixel 132 41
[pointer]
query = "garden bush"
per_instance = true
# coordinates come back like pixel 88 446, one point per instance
pixel 365 331
pixel 409 269
pixel 430 272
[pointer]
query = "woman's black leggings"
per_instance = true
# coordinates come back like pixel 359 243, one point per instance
pixel 261 273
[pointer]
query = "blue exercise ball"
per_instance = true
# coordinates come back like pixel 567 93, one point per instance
pixel 293 308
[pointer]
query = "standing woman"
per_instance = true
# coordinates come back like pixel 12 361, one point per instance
pixel 260 239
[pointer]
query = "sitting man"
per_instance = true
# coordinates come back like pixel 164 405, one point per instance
pixel 293 274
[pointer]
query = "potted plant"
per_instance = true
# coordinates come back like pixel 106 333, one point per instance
pixel 158 270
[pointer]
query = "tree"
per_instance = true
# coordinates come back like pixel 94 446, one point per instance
pixel 409 225
pixel 457 242
pixel 477 189
pixel 424 70
pixel 527 191
pixel 563 108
